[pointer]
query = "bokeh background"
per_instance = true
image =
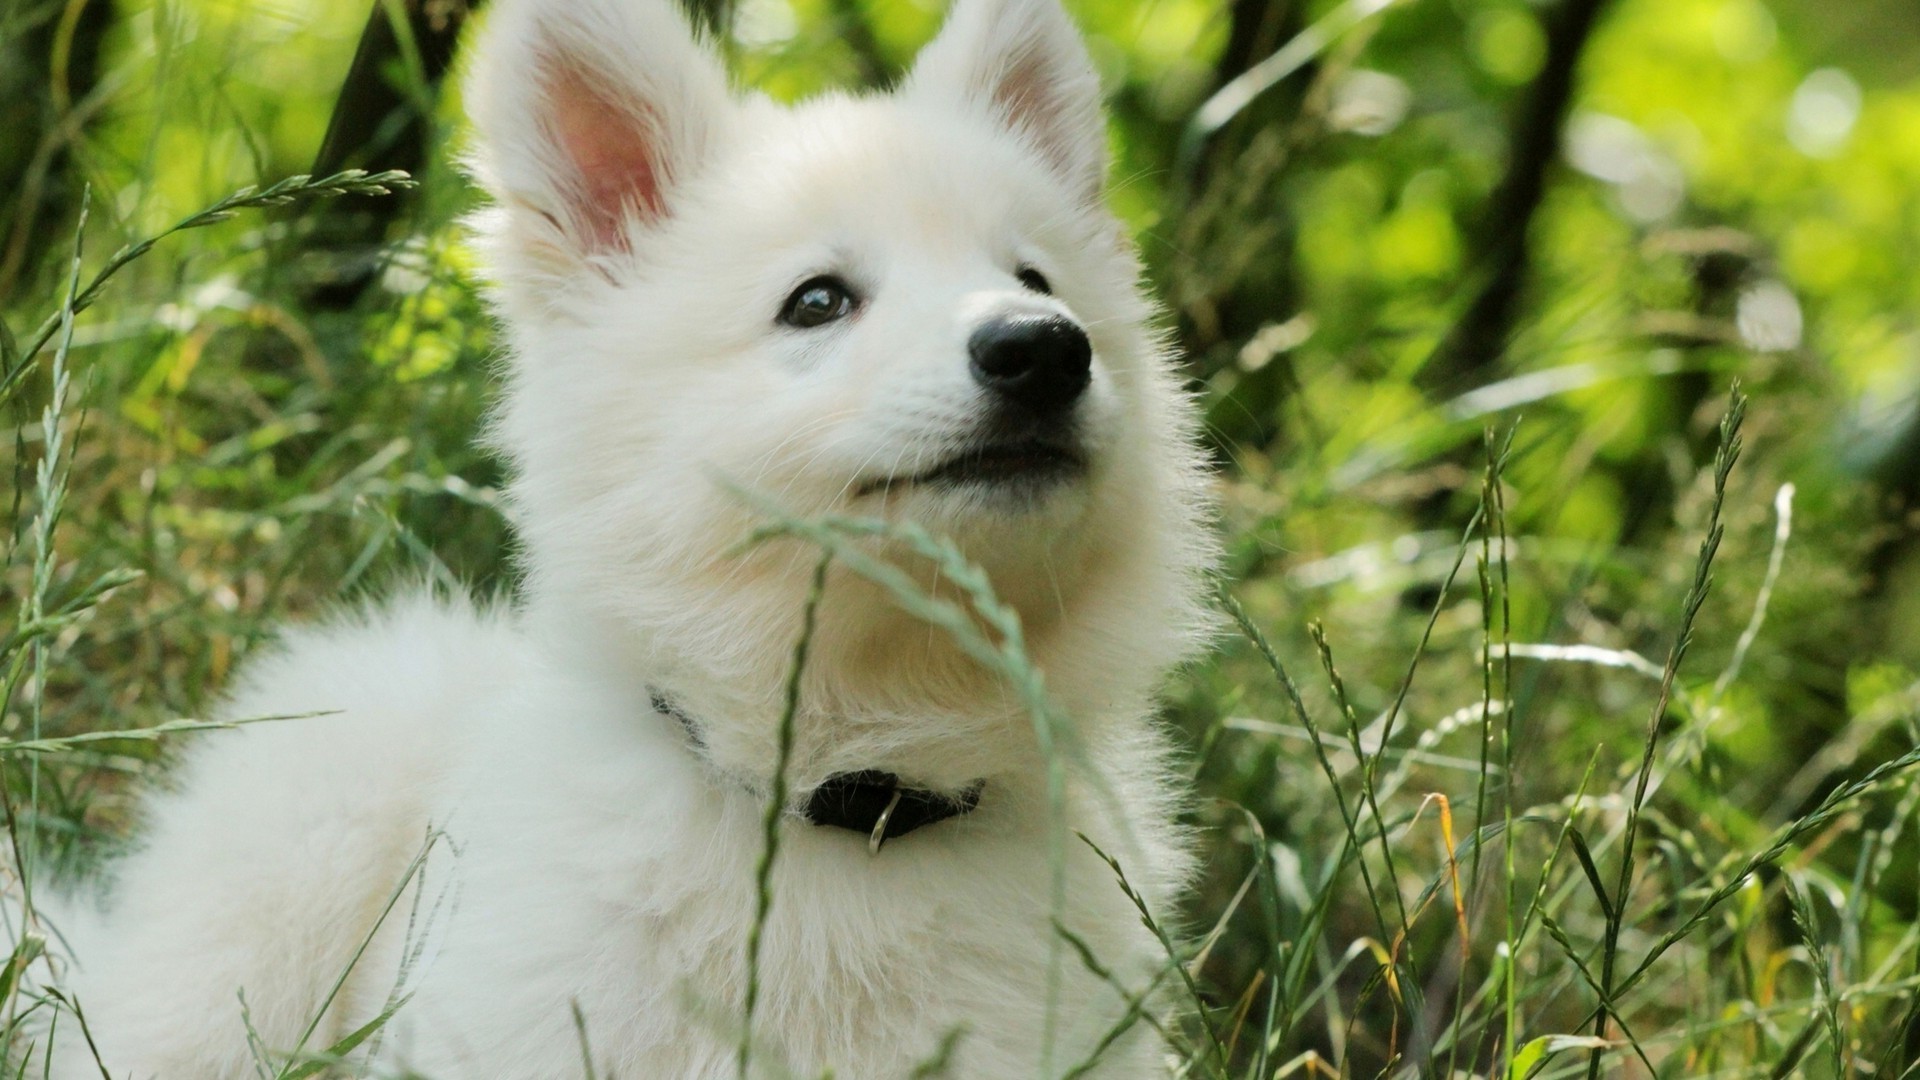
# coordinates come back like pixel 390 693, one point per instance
pixel 1401 243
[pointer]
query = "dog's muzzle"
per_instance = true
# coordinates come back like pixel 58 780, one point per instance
pixel 1034 370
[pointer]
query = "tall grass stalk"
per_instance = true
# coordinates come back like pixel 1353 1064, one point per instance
pixel 777 810
pixel 1409 990
pixel 1160 934
pixel 1617 904
pixel 1495 507
pixel 50 488
pixel 1348 818
pixel 298 1066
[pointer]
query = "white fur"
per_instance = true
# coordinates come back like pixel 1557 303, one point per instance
pixel 593 857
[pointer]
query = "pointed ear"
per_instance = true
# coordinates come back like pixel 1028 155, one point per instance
pixel 1023 62
pixel 588 113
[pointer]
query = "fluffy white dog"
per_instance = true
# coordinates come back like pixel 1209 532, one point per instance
pixel 906 307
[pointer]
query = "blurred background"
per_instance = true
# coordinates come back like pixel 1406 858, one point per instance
pixel 1397 240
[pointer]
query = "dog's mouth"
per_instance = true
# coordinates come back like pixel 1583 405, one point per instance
pixel 1024 464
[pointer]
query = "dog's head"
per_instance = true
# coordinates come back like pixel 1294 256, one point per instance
pixel 910 306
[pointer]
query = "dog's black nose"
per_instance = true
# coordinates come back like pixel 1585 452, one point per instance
pixel 1040 362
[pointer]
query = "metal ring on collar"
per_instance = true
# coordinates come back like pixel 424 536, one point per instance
pixel 879 834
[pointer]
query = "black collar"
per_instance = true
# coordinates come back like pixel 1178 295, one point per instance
pixel 873 804
pixel 870 802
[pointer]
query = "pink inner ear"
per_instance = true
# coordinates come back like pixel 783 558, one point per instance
pixel 1024 93
pixel 1029 97
pixel 615 153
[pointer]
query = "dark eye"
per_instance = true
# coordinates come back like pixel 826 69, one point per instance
pixel 1035 280
pixel 817 302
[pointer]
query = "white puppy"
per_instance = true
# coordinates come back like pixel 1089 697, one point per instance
pixel 910 307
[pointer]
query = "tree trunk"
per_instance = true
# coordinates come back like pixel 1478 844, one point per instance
pixel 377 124
pixel 1479 339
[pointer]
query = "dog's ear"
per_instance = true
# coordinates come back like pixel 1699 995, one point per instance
pixel 587 114
pixel 1024 62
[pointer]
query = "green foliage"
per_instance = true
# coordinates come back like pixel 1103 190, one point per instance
pixel 1495 837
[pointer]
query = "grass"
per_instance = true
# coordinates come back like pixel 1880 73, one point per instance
pixel 1618 968
pixel 1456 819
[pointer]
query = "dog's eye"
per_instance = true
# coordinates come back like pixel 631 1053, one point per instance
pixel 817 302
pixel 1035 280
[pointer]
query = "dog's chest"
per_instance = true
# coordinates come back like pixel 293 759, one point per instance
pixel 636 911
